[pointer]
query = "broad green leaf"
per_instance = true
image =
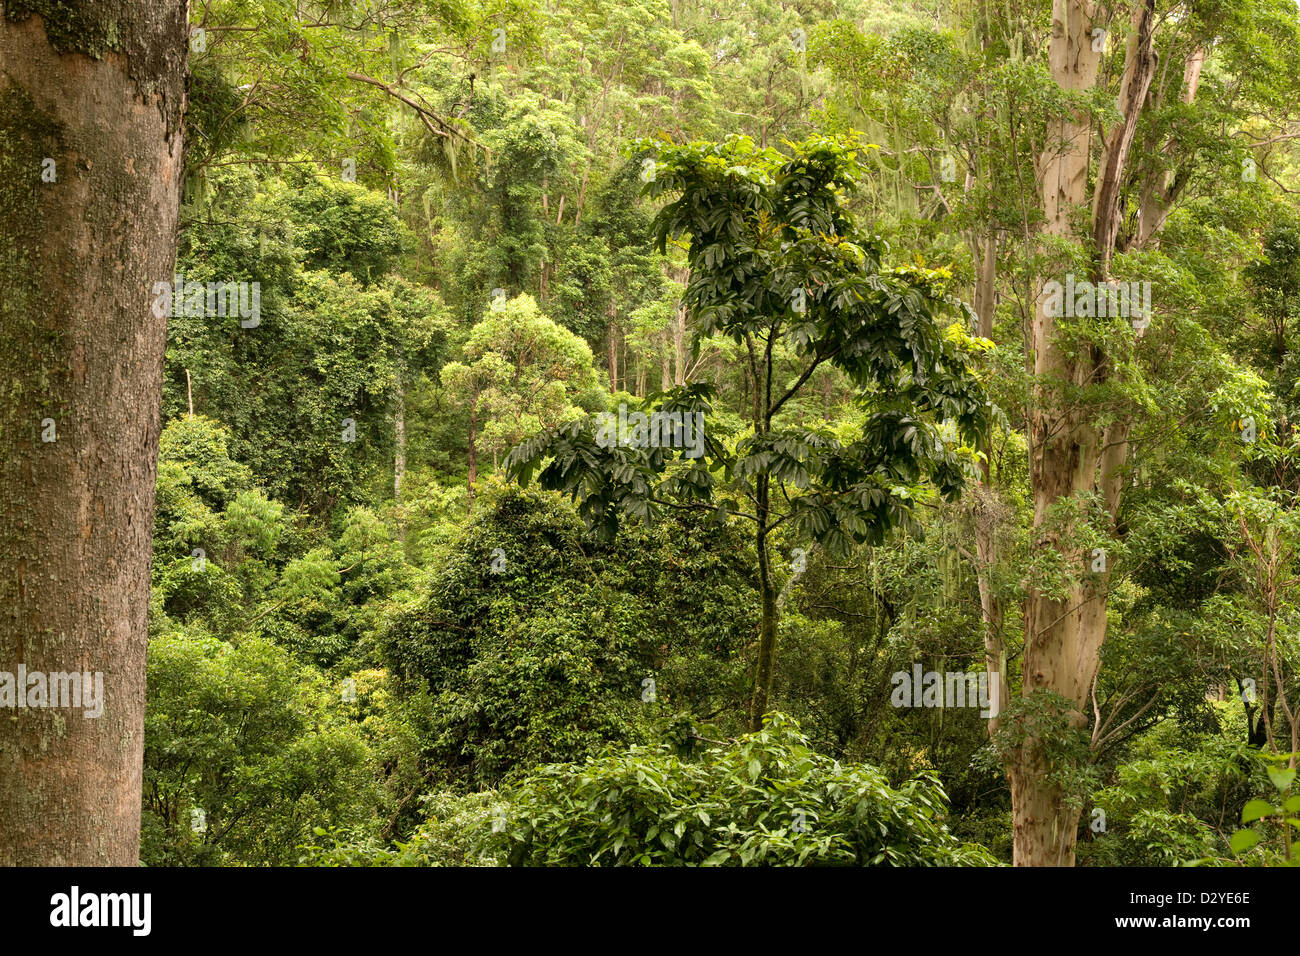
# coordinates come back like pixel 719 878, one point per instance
pixel 1243 840
pixel 1282 779
pixel 1256 809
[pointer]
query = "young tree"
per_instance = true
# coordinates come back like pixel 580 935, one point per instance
pixel 91 100
pixel 778 264
pixel 522 373
pixel 1264 548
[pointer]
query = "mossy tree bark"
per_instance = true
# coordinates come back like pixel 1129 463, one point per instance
pixel 91 101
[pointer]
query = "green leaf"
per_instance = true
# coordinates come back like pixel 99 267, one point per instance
pixel 1256 809
pixel 1282 779
pixel 1243 840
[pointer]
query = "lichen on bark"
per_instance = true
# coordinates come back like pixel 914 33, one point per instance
pixel 123 27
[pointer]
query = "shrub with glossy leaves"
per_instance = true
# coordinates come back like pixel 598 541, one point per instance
pixel 765 799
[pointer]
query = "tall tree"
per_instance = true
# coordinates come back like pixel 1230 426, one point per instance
pixel 522 373
pixel 779 265
pixel 91 104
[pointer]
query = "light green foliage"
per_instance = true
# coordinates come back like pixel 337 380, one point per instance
pixel 341 226
pixel 252 739
pixel 522 373
pixel 1271 817
pixel 764 800
pixel 1173 802
pixel 456 831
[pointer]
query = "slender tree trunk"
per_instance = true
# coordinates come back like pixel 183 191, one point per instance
pixel 473 447
pixel 399 458
pixel 767 625
pixel 92 95
pixel 679 346
pixel 681 358
pixel 988 512
pixel 612 335
pixel 761 374
pixel 582 197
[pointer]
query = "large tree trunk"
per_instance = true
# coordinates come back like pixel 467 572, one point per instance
pixel 1070 455
pixel 1061 636
pixel 92 95
pixel 1160 189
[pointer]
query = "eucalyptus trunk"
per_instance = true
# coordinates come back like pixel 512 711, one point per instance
pixel 1071 456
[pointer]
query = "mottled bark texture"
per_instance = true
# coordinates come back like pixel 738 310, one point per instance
pixel 1073 456
pixel 91 101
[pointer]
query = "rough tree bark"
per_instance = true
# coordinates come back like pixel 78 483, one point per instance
pixel 91 102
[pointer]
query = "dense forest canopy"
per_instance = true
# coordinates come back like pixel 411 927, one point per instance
pixel 665 432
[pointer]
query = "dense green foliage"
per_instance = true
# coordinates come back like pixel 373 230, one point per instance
pixel 476 227
pixel 763 800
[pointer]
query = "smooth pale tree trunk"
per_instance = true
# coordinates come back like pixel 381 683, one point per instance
pixel 1070 455
pixel 681 358
pixel 98 89
pixel 1062 463
pixel 1161 190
